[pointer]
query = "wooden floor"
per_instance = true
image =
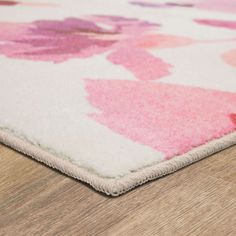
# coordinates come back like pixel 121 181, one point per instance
pixel 198 200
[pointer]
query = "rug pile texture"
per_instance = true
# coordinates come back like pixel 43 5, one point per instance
pixel 117 93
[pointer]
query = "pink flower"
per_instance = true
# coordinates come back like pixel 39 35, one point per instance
pixel 217 23
pixel 211 5
pixel 169 118
pixel 8 3
pixel 127 41
pixel 60 40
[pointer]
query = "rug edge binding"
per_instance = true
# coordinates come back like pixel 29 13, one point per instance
pixel 118 186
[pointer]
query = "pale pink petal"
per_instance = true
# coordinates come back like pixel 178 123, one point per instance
pixel 230 57
pixel 169 118
pixel 142 64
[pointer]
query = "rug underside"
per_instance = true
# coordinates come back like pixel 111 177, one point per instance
pixel 119 99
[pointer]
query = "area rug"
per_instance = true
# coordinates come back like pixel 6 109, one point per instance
pixel 117 93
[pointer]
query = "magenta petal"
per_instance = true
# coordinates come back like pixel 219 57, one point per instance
pixel 218 23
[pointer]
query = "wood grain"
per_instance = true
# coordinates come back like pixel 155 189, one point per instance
pixel 198 200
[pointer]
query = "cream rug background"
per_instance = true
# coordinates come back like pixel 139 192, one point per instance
pixel 117 99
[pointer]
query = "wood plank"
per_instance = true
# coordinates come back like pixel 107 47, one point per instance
pixel 198 200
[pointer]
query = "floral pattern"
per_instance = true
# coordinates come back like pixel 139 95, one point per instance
pixel 218 23
pixel 8 3
pixel 230 57
pixel 210 5
pixel 59 41
pixel 168 118
pixel 161 117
